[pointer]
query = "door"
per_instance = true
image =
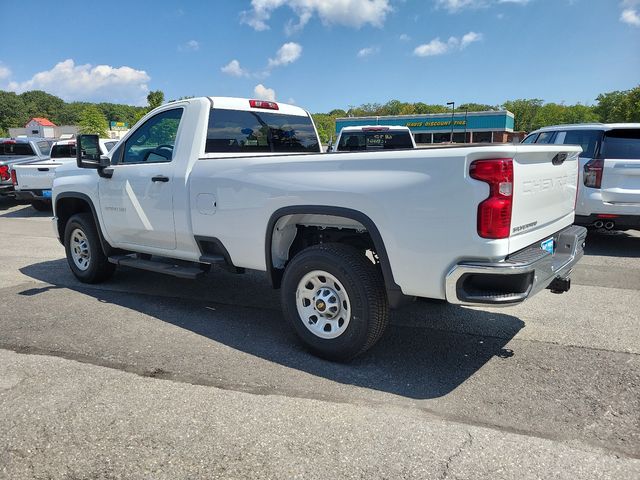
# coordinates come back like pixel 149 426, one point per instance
pixel 621 174
pixel 137 201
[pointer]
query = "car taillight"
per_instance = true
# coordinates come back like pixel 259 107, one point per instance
pixel 593 173
pixel 494 213
pixel 4 172
pixel 14 177
pixel 263 104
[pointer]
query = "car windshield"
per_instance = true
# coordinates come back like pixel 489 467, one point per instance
pixel 63 151
pixel 15 148
pixel 248 131
pixel 623 144
pixel 350 141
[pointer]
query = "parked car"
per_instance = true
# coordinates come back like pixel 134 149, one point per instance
pixel 14 151
pixel 609 186
pixel 244 184
pixel 32 181
pixel 373 137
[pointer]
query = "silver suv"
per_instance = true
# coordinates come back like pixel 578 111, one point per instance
pixel 609 184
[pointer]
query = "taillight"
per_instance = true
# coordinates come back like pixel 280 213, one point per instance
pixel 494 213
pixel 14 177
pixel 593 173
pixel 263 104
pixel 4 172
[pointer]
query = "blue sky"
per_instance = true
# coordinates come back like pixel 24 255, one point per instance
pixel 323 54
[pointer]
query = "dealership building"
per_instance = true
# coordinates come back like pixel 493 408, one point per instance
pixel 471 127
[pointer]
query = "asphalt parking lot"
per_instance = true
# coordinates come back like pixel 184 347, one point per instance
pixel 148 376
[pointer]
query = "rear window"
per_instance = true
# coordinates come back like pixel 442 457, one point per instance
pixel 623 144
pixel 350 141
pixel 63 151
pixel 587 139
pixel 256 132
pixel 16 149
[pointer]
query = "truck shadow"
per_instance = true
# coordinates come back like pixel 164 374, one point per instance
pixel 429 349
pixel 19 209
pixel 612 244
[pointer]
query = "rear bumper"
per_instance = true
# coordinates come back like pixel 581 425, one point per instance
pixel 620 222
pixel 7 189
pixel 520 275
pixel 30 195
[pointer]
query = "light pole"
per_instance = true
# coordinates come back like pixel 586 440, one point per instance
pixel 466 112
pixel 453 110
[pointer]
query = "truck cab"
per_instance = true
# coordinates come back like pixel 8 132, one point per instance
pixel 373 137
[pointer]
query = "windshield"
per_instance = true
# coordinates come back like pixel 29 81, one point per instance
pixel 11 148
pixel 248 131
pixel 63 151
pixel 622 144
pixel 374 141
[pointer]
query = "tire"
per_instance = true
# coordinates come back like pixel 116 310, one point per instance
pixel 84 252
pixel 41 205
pixel 345 292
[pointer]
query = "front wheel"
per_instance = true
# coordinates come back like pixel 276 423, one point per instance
pixel 84 253
pixel 334 298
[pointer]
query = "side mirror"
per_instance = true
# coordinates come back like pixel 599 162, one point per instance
pixel 88 152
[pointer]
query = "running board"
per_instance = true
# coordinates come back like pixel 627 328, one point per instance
pixel 174 269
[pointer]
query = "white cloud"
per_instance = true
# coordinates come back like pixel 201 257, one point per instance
pixel 263 93
pixel 630 16
pixel 287 53
pixel 454 6
pixel 368 52
pixel 349 13
pixel 630 13
pixel 438 47
pixel 434 47
pixel 86 82
pixel 190 46
pixel 234 69
pixel 469 38
pixel 404 37
pixel 5 72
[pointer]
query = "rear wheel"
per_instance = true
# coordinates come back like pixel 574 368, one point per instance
pixel 334 298
pixel 41 205
pixel 84 252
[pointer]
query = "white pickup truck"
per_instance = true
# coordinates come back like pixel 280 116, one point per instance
pixel 243 183
pixel 32 181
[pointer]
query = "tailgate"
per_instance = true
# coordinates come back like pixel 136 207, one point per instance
pixel 35 176
pixel 621 174
pixel 544 192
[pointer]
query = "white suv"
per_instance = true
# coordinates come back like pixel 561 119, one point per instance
pixel 609 186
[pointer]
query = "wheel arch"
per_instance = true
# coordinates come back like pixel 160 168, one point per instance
pixel 275 274
pixel 68 204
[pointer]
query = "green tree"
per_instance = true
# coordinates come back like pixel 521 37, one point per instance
pixel 92 120
pixel 326 126
pixel 525 112
pixel 476 107
pixel 155 98
pixel 619 106
pixel 43 104
pixel 13 112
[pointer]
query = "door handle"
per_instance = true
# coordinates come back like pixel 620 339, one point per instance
pixel 159 178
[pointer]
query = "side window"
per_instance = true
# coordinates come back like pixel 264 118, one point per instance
pixel 587 139
pixel 45 147
pixel 109 145
pixel 154 140
pixel 530 138
pixel 545 137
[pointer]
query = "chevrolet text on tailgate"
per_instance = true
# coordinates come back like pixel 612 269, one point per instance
pixel 345 236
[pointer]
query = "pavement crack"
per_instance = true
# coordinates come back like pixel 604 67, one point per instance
pixel 468 442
